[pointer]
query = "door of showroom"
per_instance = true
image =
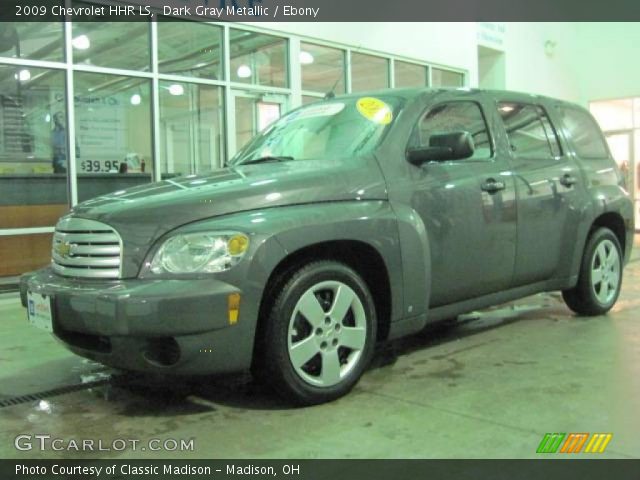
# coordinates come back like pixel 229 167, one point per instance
pixel 621 144
pixel 251 113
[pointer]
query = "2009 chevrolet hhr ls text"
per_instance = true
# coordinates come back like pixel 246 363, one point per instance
pixel 349 221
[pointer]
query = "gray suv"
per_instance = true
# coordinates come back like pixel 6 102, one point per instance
pixel 350 221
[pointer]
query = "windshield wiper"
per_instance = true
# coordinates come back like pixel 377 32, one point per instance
pixel 266 159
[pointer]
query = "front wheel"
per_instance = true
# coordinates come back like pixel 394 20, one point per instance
pixel 600 275
pixel 320 333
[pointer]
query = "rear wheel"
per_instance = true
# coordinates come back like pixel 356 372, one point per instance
pixel 600 275
pixel 320 334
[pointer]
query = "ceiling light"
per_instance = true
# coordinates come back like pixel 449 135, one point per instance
pixel 81 42
pixel 23 75
pixel 244 71
pixel 176 89
pixel 306 58
pixel 136 99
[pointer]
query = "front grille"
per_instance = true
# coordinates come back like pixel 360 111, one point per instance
pixel 86 248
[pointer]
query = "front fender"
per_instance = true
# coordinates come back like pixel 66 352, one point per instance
pixel 372 222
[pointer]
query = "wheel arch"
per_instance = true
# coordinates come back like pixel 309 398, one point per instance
pixel 359 255
pixel 614 222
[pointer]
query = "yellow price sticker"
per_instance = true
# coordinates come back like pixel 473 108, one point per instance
pixel 375 110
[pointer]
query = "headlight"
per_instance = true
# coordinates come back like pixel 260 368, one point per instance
pixel 200 252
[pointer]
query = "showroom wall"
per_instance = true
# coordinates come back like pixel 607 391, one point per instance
pixel 451 44
pixel 579 62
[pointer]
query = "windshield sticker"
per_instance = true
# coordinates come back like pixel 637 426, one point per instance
pixel 375 110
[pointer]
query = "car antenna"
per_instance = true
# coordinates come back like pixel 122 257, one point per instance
pixel 332 93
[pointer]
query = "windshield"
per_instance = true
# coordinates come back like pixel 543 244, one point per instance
pixel 329 129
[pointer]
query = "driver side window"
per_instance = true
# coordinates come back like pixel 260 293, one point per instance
pixel 454 117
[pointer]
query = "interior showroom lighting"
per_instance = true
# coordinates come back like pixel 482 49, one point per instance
pixel 244 71
pixel 23 75
pixel 136 99
pixel 81 42
pixel 306 58
pixel 176 89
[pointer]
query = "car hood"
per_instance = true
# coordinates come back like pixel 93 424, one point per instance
pixel 149 211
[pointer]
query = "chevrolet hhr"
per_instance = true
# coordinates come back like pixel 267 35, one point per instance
pixel 350 221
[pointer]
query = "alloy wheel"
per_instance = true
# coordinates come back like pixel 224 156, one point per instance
pixel 605 271
pixel 327 333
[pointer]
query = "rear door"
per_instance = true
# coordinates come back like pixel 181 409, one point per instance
pixel 548 186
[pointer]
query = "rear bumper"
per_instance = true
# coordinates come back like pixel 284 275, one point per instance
pixel 168 326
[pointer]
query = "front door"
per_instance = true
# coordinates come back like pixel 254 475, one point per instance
pixel 252 113
pixel 467 207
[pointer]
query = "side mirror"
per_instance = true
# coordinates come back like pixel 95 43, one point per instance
pixel 442 147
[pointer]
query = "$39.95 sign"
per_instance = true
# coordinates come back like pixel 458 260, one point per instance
pixel 99 166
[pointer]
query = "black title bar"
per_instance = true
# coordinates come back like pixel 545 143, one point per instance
pixel 322 10
pixel 565 469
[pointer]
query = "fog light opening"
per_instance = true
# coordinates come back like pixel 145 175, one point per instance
pixel 162 352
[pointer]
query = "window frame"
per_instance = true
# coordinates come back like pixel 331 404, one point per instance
pixel 539 106
pixel 490 135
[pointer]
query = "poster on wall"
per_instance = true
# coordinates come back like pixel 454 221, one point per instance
pixel 101 127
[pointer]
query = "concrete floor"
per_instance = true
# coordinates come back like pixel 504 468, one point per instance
pixel 490 387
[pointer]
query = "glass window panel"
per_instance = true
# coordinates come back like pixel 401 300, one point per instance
pixel 452 117
pixel 32 40
pixel 258 59
pixel 584 134
pixel 112 44
pixel 33 147
pixel 409 75
pixel 368 72
pixel 636 112
pixel 113 132
pixel 191 128
pixel 613 114
pixel 529 131
pixel 322 68
pixel 446 78
pixel 190 48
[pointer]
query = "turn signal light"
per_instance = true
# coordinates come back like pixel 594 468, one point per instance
pixel 233 302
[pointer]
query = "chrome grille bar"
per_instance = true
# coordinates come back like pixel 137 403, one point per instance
pixel 86 248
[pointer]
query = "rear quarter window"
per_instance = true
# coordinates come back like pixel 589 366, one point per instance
pixel 584 133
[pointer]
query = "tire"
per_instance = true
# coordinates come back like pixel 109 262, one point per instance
pixel 313 353
pixel 600 275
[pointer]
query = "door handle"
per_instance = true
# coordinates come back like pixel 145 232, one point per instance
pixel 568 180
pixel 492 186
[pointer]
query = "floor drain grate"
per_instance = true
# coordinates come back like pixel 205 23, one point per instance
pixel 54 392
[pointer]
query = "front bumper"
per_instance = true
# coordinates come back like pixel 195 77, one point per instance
pixel 165 326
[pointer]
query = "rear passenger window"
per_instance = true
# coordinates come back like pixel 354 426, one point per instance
pixel 584 133
pixel 454 117
pixel 529 130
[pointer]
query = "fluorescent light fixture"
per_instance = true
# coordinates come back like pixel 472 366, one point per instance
pixel 244 71
pixel 306 58
pixel 176 89
pixel 81 42
pixel 136 99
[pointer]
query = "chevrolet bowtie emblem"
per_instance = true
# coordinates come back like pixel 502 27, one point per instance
pixel 63 249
